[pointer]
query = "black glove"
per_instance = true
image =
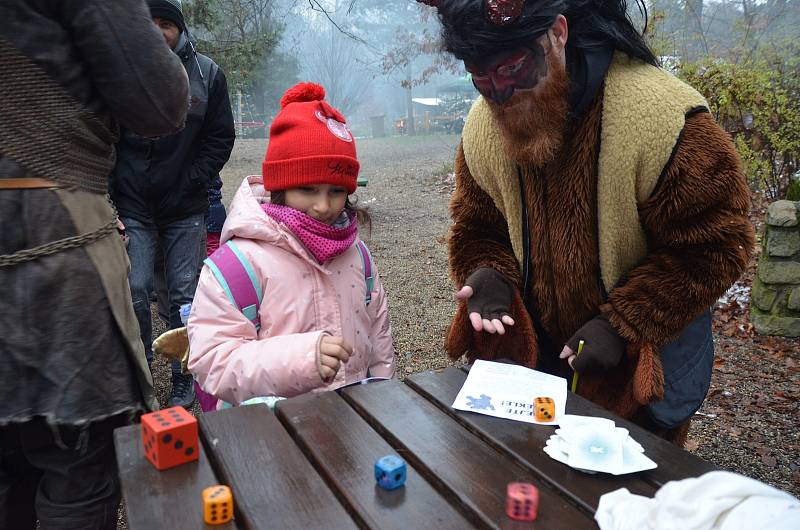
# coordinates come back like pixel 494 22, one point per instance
pixel 603 348
pixel 491 294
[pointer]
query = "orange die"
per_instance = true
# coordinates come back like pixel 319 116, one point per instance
pixel 217 504
pixel 170 437
pixel 544 409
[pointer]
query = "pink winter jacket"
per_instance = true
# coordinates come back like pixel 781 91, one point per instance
pixel 302 301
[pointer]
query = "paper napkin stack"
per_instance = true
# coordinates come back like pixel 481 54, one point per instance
pixel 596 445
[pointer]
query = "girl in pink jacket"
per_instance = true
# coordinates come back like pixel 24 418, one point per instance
pixel 320 320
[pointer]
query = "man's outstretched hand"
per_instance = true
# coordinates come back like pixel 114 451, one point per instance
pixel 488 295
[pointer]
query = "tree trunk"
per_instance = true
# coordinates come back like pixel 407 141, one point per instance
pixel 410 129
pixel 694 44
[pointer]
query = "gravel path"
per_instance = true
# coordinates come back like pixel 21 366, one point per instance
pixel 408 194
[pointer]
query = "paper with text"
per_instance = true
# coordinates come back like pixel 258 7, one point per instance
pixel 507 391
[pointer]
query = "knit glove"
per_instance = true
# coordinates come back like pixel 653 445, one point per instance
pixel 603 348
pixel 492 294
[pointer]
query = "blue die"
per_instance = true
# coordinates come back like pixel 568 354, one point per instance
pixel 390 472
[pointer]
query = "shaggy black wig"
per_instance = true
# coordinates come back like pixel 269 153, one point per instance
pixel 468 34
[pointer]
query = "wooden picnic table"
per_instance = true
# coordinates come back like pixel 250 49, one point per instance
pixel 310 464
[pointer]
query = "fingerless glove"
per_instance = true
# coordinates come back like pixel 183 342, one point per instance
pixel 492 294
pixel 603 348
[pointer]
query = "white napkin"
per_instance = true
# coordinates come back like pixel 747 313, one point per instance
pixel 718 500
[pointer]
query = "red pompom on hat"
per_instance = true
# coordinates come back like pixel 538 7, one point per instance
pixel 309 143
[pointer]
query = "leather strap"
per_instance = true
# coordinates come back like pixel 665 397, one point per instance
pixel 27 183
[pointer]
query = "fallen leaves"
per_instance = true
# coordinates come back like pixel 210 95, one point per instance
pixel 769 461
pixel 748 422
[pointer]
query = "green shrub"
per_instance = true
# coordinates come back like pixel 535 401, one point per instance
pixel 793 193
pixel 757 101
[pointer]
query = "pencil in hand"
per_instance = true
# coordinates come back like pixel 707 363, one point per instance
pixel 575 374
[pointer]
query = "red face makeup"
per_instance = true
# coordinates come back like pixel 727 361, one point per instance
pixel 498 78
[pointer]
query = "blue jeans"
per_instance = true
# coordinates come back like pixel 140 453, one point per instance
pixel 180 244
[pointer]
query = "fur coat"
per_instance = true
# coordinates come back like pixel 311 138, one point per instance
pixel 696 241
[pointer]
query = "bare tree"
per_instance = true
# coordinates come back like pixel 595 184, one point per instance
pixel 238 34
pixel 695 39
pixel 333 60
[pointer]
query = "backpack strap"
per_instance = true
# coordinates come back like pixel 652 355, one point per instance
pixel 236 276
pixel 368 266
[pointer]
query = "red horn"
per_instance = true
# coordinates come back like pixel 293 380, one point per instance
pixel 503 12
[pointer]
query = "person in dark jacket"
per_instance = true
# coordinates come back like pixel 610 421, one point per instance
pixel 160 187
pixel 216 216
pixel 72 365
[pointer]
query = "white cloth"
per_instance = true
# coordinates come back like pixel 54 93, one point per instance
pixel 718 500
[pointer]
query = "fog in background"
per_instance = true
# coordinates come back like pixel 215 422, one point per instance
pixel 374 56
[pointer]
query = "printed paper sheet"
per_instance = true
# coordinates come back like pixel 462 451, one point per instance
pixel 507 391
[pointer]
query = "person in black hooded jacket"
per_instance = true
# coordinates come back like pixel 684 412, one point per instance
pixel 160 187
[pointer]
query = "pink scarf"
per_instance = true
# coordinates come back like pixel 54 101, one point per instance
pixel 325 242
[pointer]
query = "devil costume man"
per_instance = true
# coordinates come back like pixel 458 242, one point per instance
pixel 595 200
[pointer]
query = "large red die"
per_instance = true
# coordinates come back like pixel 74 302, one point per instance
pixel 522 501
pixel 170 437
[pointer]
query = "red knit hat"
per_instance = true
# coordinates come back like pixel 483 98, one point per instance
pixel 309 143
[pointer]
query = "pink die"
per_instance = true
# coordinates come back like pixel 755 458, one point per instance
pixel 522 501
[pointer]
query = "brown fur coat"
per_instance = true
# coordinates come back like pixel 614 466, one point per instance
pixel 698 238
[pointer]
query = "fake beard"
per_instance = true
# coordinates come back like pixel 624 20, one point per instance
pixel 532 122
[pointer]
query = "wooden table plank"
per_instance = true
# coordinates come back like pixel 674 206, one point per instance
pixel 455 461
pixel 344 448
pixel 673 462
pixel 524 442
pixel 273 484
pixel 161 499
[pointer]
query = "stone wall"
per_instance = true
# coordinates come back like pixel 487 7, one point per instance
pixel 775 309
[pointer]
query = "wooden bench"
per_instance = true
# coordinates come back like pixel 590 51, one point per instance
pixel 310 464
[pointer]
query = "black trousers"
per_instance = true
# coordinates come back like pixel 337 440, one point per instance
pixel 65 476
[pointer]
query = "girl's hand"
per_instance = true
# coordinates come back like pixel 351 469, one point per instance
pixel 121 232
pixel 333 351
